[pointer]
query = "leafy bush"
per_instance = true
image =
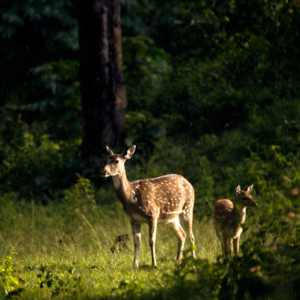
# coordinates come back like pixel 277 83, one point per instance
pixel 59 283
pixel 81 202
pixel 146 66
pixel 39 156
pixel 36 164
pixel 9 282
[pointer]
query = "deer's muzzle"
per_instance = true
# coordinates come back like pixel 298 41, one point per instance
pixel 103 173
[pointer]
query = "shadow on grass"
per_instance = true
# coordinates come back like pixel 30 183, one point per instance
pixel 147 267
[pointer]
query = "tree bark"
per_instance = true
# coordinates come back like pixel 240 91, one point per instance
pixel 103 90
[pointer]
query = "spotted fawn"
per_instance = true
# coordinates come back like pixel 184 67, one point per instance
pixel 228 216
pixel 151 201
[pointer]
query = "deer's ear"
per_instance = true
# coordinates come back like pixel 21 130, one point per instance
pixel 129 153
pixel 249 188
pixel 237 190
pixel 110 153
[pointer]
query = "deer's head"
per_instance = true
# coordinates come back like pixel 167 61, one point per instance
pixel 114 163
pixel 243 197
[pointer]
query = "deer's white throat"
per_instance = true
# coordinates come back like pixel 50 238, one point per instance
pixel 116 181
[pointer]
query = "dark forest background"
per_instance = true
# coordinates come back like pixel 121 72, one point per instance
pixel 213 90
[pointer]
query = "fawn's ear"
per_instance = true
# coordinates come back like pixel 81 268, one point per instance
pixel 237 190
pixel 249 188
pixel 129 153
pixel 110 153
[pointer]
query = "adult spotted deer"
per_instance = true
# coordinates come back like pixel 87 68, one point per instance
pixel 151 201
pixel 228 216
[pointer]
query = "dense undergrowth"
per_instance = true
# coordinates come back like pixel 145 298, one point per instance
pixel 67 249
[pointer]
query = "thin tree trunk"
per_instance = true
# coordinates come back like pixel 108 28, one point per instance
pixel 103 89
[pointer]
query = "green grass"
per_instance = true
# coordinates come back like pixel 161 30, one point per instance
pixel 56 251
pixel 39 238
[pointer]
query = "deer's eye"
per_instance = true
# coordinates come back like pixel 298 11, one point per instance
pixel 244 198
pixel 116 162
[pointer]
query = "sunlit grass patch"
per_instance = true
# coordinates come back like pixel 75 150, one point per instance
pixel 55 258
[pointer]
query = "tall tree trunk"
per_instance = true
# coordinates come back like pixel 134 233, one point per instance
pixel 103 90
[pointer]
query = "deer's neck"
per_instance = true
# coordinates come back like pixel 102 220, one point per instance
pixel 239 213
pixel 123 188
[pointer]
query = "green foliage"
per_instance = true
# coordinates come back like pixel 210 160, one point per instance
pixel 52 97
pixel 81 201
pixel 42 152
pixel 32 33
pixel 8 280
pixel 39 163
pixel 146 66
pixel 8 211
pixel 81 194
pixel 144 130
pixel 226 60
pixel 60 283
pixel 40 104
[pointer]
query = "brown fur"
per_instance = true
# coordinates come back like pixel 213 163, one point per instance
pixel 228 216
pixel 152 201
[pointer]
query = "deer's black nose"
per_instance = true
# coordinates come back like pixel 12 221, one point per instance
pixel 103 172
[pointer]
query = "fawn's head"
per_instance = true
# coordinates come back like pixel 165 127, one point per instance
pixel 114 163
pixel 243 197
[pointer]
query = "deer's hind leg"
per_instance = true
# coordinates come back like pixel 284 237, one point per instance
pixel 152 236
pixel 227 242
pixel 181 237
pixel 221 240
pixel 189 220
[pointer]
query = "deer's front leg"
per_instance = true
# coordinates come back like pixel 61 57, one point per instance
pixel 236 245
pixel 152 237
pixel 137 235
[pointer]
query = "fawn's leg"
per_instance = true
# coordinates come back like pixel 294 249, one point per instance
pixel 152 236
pixel 236 245
pixel 181 237
pixel 221 240
pixel 230 247
pixel 227 246
pixel 137 235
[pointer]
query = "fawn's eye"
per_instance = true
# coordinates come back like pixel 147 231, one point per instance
pixel 244 198
pixel 116 162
